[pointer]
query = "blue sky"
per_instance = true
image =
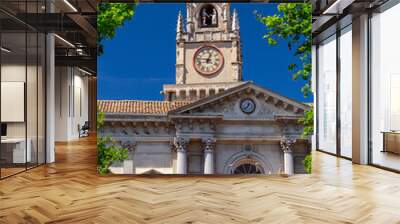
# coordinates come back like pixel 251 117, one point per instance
pixel 141 58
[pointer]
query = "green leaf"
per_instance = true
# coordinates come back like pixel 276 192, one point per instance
pixel 271 41
pixel 292 66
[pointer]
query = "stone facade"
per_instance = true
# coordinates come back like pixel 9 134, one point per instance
pixel 222 125
pixel 213 135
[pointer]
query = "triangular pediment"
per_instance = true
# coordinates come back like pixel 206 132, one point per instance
pixel 268 104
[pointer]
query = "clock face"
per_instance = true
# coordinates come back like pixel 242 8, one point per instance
pixel 208 60
pixel 247 106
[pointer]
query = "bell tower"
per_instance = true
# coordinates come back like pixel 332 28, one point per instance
pixel 208 51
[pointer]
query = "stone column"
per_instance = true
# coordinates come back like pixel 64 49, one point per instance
pixel 287 148
pixel 209 145
pixel 181 157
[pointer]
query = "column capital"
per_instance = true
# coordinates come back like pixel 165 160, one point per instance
pixel 287 144
pixel 180 143
pixel 209 144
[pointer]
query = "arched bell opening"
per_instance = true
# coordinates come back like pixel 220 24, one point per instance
pixel 208 16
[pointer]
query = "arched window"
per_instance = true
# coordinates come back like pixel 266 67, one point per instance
pixel 248 168
pixel 208 16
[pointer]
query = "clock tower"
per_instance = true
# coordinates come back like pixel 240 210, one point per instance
pixel 208 52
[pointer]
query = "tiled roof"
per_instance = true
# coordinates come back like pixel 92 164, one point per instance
pixel 138 106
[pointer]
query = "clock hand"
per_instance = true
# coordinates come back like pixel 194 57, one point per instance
pixel 209 58
pixel 205 59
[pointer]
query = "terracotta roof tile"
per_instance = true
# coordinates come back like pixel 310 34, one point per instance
pixel 138 106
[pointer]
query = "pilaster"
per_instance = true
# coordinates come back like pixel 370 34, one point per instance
pixel 180 63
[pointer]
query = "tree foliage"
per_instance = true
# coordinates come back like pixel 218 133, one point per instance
pixel 293 24
pixel 307 162
pixel 110 16
pixel 107 149
pixel 108 152
pixel 100 119
pixel 308 122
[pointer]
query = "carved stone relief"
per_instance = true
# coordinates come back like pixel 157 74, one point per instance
pixel 287 144
pixel 180 143
pixel 266 107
